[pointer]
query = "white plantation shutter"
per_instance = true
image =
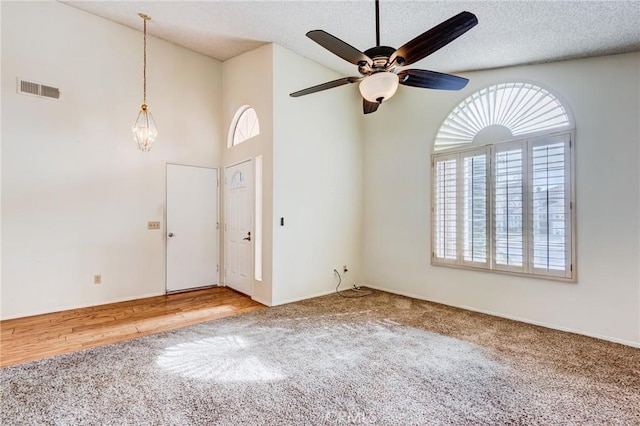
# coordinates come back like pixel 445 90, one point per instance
pixel 506 207
pixel 521 107
pixel 474 207
pixel 445 208
pixel 550 206
pixel 460 208
pixel 509 207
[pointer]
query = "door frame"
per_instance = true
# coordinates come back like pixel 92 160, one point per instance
pixel 164 230
pixel 252 203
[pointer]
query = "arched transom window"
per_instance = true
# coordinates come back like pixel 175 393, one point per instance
pixel 502 111
pixel 245 125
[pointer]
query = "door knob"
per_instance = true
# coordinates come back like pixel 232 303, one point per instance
pixel 248 237
pixel 170 234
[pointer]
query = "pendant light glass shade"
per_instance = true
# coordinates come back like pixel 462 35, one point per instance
pixel 379 86
pixel 144 129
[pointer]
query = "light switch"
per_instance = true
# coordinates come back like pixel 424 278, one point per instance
pixel 153 225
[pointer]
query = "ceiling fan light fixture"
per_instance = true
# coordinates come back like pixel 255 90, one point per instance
pixel 379 86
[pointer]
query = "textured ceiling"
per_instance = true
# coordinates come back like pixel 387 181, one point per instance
pixel 508 33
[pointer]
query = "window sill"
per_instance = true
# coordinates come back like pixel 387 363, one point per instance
pixel 572 280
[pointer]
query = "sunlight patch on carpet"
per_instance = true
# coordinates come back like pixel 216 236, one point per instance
pixel 220 359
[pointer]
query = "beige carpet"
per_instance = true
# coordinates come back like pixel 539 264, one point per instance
pixel 382 359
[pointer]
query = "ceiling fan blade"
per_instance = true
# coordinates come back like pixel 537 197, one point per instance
pixel 325 86
pixel 339 47
pixel 435 38
pixel 431 80
pixel 369 107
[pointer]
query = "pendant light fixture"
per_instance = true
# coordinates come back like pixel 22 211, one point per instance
pixel 144 129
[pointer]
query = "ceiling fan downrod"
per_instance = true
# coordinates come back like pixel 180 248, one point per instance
pixel 377 22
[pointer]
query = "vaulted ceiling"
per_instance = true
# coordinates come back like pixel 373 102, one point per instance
pixel 508 33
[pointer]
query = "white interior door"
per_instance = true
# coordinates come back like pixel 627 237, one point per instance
pixel 192 222
pixel 238 220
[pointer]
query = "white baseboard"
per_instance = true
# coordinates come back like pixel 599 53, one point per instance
pixel 298 299
pixel 511 317
pixel 257 299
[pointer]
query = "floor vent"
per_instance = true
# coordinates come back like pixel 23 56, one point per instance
pixel 36 89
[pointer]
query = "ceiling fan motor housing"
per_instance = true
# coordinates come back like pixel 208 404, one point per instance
pixel 380 56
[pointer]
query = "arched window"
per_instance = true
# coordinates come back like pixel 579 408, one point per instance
pixel 245 125
pixel 502 184
pixel 500 112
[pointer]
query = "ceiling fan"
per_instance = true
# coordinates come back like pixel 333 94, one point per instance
pixel 380 66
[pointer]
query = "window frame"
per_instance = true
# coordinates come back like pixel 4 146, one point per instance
pixel 527 142
pixel 238 116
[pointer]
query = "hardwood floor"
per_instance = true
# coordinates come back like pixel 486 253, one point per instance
pixel 41 336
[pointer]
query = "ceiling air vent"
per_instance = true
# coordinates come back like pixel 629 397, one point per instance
pixel 32 88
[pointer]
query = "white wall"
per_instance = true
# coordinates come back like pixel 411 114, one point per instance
pixel 312 175
pixel 76 191
pixel 317 181
pixel 248 80
pixel 604 95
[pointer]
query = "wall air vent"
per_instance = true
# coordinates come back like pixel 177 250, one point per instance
pixel 32 88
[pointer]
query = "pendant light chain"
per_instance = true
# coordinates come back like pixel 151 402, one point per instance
pixel 144 64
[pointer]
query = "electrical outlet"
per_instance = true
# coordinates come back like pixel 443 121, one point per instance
pixel 153 225
pixel 344 269
pixel 97 279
